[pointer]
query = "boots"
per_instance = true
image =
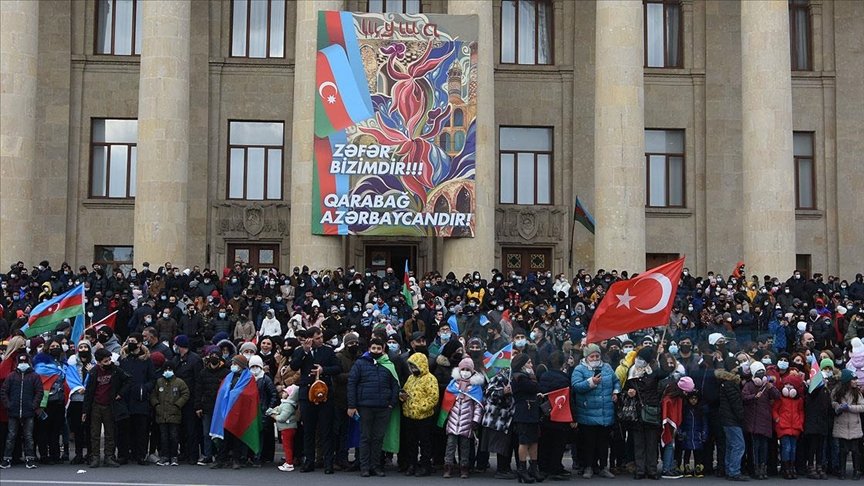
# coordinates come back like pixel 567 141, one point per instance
pixel 463 472
pixel 448 471
pixel 535 472
pixel 761 471
pixel 522 473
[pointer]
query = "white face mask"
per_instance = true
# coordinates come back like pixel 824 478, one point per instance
pixel 640 363
pixel 256 371
pixel 235 368
pixel 594 364
pixel 465 374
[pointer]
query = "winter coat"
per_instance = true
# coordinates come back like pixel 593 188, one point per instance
pixel 694 426
pixel 466 411
pixel 286 413
pixel 168 398
pixel 267 394
pixel 788 414
pixel 525 390
pixel 303 362
pixel 422 390
pixel 167 328
pixel 443 371
pixel 371 385
pixel 818 412
pixel 730 403
pixel 207 387
pixel 498 406
pixel 757 410
pixel 847 425
pixel 856 365
pixel 119 383
pixel 142 378
pixel 555 380
pixel 188 367
pixel 593 403
pixel 340 381
pixel 21 393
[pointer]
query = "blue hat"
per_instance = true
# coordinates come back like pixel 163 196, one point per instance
pixel 182 341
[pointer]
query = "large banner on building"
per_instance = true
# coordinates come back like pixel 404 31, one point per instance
pixel 395 130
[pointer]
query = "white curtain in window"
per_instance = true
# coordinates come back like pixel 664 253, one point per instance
pixel 100 169
pixel 277 28
pixel 255 173
pixel 527 32
pixel 123 28
pixel 103 34
pixel 235 175
pixel 802 38
pixel 544 31
pixel 654 26
pixel 274 174
pixel 805 183
pixel 508 31
pixel 238 29
pixel 258 29
pixel 672 25
pixel 525 174
pixel 544 179
pixel 657 181
pixel 118 161
pixel 506 176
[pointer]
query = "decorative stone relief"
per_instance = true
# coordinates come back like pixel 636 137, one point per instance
pixel 531 223
pixel 252 221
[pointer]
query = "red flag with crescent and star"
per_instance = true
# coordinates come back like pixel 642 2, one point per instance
pixel 560 401
pixel 643 301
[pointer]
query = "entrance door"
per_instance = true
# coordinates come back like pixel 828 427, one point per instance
pixel 527 260
pixel 378 258
pixel 256 256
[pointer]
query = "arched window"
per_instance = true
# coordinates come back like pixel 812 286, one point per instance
pixel 441 205
pixel 460 140
pixel 458 118
pixel 445 142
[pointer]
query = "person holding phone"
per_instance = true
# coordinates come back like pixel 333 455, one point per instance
pixel 593 383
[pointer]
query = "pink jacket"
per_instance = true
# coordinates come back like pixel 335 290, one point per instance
pixel 465 412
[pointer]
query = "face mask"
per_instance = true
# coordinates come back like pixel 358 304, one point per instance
pixel 22 367
pixel 222 315
pixel 393 347
pixel 132 347
pixel 64 347
pixel 766 361
pixel 168 374
pixel 827 374
pixel 533 335
pixel 745 367
pixel 257 372
pixel 334 341
pixel 465 374
pixel 375 355
pixel 673 349
pixel 444 337
pixel 233 280
pixel 148 319
pixel 520 343
pixel 96 303
pixel 758 381
pixel 783 365
pixel 416 372
pixel 594 364
pixel 102 338
pixel 55 352
pixel 165 316
pixel 627 349
pixel 640 363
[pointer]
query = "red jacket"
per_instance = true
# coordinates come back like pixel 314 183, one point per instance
pixel 788 416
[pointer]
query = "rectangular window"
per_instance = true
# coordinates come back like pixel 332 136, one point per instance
pixel 526 32
pixel 258 28
pixel 255 160
pixel 114 258
pixel 799 34
pixel 805 170
pixel 662 31
pixel 525 165
pixel 393 6
pixel 118 27
pixel 113 158
pixel 664 162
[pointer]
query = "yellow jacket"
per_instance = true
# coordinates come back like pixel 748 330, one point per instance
pixel 422 390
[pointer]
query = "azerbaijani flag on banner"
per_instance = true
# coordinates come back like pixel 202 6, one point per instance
pixel 451 393
pixel 237 411
pixel 46 316
pixel 49 373
pixel 406 287
pixel 340 102
pixel 499 360
pixel 582 215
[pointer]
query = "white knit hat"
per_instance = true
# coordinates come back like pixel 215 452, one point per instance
pixel 857 346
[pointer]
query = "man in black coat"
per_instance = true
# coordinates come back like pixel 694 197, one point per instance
pixel 315 360
pixel 731 415
pixel 187 366
pixel 133 430
pixel 206 388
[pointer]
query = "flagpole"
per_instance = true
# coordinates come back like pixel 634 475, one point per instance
pixel 572 230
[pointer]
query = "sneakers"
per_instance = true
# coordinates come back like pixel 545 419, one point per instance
pixel 6 463
pixel 673 474
pixel 204 461
pixel 605 473
pixel 699 472
pixel 163 462
pixel 286 467
pixel 588 473
pixel 174 462
pixel 30 463
pixel 110 462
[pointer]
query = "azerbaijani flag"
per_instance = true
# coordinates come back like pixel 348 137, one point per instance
pixel 46 316
pixel 49 373
pixel 237 411
pixel 406 288
pixel 501 359
pixel 451 393
pixel 582 215
pixel 340 101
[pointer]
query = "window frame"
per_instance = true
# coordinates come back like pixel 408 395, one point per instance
pixel 248 30
pixel 404 9
pixel 93 145
pixel 135 4
pixel 230 146
pixel 515 153
pixel 679 64
pixel 116 264
pixel 795 162
pixel 551 15
pixel 794 7
pixel 667 184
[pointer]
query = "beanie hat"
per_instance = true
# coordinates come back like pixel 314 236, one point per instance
pixel 756 367
pixel 256 361
pixel 519 362
pixel 591 348
pixel 826 363
pixel 841 311
pixel 157 358
pixel 686 385
pixel 240 361
pixel 219 336
pixel 182 341
pixel 714 337
pixel 802 326
pixel 350 338
pixel 101 354
pixel 647 353
pixel 466 363
pixel 857 346
pixel 211 349
pixel 846 376
pixel 248 346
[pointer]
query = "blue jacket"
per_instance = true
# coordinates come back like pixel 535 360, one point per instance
pixel 371 385
pixel 142 380
pixel 594 404
pixel 694 427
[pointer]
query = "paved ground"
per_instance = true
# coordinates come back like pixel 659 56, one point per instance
pixel 134 475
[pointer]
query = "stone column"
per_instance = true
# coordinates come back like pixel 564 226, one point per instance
pixel 307 249
pixel 619 137
pixel 464 255
pixel 163 133
pixel 768 206
pixel 19 39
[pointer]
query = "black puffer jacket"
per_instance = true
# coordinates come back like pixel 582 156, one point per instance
pixel 207 387
pixel 371 385
pixel 142 379
pixel 555 380
pixel 730 402
pixel 818 412
pixel 21 393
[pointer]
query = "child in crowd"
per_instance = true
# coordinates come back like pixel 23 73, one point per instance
pixel 168 398
pixel 285 416
pixel 788 415
pixel 467 394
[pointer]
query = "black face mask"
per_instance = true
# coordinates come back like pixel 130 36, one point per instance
pixel 102 338
pixel 132 347
pixel 416 372
pixel 215 361
pixel 376 355
pixel 352 350
pixel 686 348
pixel 422 350
pixel 456 358
pixel 84 356
pixel 56 352
pixel 476 354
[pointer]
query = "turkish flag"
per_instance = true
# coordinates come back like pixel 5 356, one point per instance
pixel 560 401
pixel 643 301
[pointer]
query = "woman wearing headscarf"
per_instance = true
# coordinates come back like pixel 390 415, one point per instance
pixel 526 417
pixel 642 383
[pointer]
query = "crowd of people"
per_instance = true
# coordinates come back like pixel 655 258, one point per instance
pixel 436 374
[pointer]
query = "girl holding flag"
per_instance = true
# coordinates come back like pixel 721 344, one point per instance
pixel 461 412
pixel 78 368
pixel 51 368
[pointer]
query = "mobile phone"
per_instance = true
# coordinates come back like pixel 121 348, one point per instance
pixel 597 372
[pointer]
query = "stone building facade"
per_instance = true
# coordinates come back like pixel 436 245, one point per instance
pixel 751 115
